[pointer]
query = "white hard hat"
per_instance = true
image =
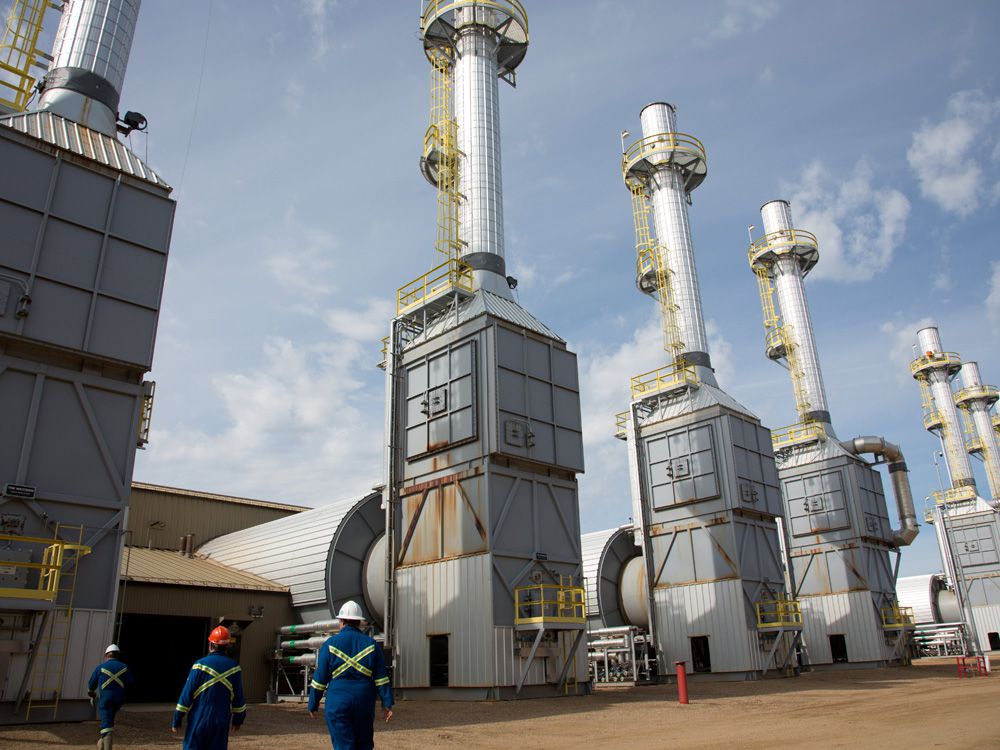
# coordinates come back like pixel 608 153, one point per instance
pixel 350 611
pixel 112 649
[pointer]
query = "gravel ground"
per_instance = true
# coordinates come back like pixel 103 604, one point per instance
pixel 925 706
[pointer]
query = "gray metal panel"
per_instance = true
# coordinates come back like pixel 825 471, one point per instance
pixel 92 255
pixel 849 614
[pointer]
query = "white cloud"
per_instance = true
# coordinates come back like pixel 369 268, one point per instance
pixel 722 354
pixel 993 297
pixel 302 263
pixel 318 12
pixel 902 338
pixel 859 226
pixel 949 157
pixel 367 324
pixel 744 17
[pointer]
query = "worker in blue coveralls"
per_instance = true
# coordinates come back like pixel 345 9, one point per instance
pixel 212 698
pixel 107 685
pixel 351 671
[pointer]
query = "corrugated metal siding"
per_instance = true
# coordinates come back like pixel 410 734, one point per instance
pixel 162 566
pixel 82 141
pixel 453 598
pixel 851 614
pixel 90 633
pixel 712 609
pixel 291 551
pixel 592 545
pixel 158 517
pixel 919 593
pixel 256 642
pixel 486 303
pixel 987 621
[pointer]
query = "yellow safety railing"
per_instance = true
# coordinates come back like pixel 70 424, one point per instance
pixel 932 417
pixel 781 242
pixel 897 618
pixel 935 360
pixel 796 434
pixel 441 149
pixel 987 393
pixel 549 604
pixel 678 148
pixel 954 495
pixel 19 52
pixel 49 569
pixel 996 423
pixel 451 275
pixel 670 377
pixel 509 8
pixel 779 613
pixel 621 425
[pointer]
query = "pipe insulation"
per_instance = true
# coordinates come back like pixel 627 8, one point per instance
pixel 90 55
pixel 477 112
pixel 789 287
pixel 982 422
pixel 899 474
pixel 939 383
pixel 669 199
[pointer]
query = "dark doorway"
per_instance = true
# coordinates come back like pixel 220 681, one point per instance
pixel 994 641
pixel 160 649
pixel 701 656
pixel 838 648
pixel 439 660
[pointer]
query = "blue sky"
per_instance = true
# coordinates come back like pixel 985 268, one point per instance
pixel 292 131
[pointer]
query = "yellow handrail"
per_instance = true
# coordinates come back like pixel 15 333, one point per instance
pixel 19 52
pixel 779 613
pixel 780 242
pixel 975 392
pixel 897 618
pixel 512 8
pixel 677 375
pixel 49 569
pixel 549 603
pixel 669 145
pixel 951 360
pixel 803 432
pixel 451 275
pixel 954 495
pixel 621 424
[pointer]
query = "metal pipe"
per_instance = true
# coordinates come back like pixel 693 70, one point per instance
pixel 323 626
pixel 976 399
pixel 308 643
pixel 670 197
pixel 789 288
pixel 899 474
pixel 300 659
pixel 90 55
pixel 939 383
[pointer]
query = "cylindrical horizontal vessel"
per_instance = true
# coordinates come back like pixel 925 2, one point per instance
pixel 669 200
pixel 794 309
pixel 325 556
pixel 298 659
pixel 605 557
pixel 978 404
pixel 939 383
pixel 310 644
pixel 323 626
pixel 90 56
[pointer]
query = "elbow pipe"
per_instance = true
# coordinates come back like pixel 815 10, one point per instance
pixel 898 473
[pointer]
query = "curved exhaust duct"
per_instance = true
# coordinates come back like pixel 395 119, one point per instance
pixel 899 474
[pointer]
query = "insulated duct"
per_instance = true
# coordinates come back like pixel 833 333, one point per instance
pixel 898 473
pixel 90 54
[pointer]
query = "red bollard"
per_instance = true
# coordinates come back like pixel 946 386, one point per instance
pixel 682 683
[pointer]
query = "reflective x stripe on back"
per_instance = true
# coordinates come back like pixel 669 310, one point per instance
pixel 113 677
pixel 217 679
pixel 351 662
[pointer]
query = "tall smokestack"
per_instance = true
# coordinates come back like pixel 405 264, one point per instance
pixel 90 54
pixel 975 400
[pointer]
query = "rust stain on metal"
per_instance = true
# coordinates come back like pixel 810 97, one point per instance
pixel 434 483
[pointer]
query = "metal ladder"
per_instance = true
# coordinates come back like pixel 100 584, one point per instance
pixel 53 645
pixel 19 54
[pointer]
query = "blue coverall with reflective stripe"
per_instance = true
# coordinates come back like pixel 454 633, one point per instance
pixel 109 681
pixel 351 670
pixel 212 699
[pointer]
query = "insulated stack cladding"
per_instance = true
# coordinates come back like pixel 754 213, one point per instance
pixel 840 540
pixel 86 232
pixel 704 485
pixel 967 525
pixel 483 415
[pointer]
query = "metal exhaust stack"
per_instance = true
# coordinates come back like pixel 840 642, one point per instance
pixel 967 526
pixel 833 498
pixel 90 54
pixel 974 401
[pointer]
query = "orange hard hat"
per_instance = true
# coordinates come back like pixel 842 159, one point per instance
pixel 220 636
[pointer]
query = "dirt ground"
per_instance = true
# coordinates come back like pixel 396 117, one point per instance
pixel 924 706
